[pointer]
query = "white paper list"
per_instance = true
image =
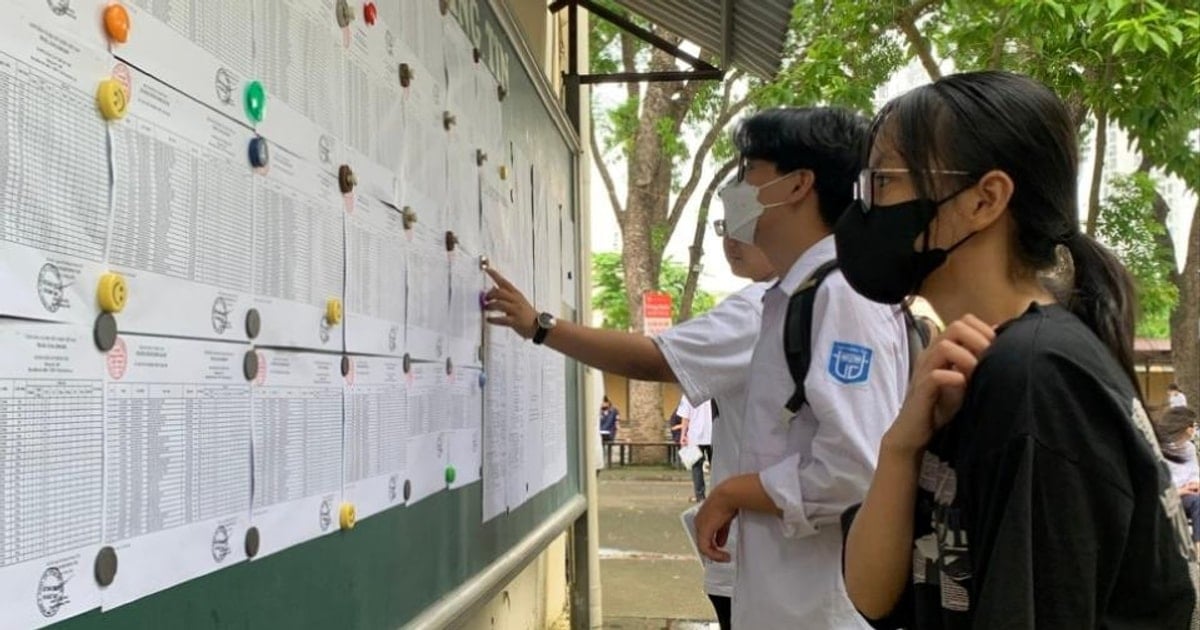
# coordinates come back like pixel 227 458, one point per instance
pixel 177 474
pixel 428 448
pixel 298 254
pixel 54 168
pixel 376 271
pixel 376 434
pixel 297 428
pixel 182 228
pixel 51 467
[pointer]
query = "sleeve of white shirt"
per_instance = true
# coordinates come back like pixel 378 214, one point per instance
pixel 710 354
pixel 854 385
pixel 683 409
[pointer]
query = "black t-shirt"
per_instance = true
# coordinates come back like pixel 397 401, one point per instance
pixel 1045 503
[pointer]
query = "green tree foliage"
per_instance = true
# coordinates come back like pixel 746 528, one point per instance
pixel 1128 225
pixel 609 293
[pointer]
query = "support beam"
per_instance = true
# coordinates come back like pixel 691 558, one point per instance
pixel 702 70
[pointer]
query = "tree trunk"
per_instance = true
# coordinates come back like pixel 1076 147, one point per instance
pixel 696 250
pixel 1185 319
pixel 1093 215
pixel 644 233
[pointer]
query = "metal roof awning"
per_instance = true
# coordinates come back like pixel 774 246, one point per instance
pixel 748 34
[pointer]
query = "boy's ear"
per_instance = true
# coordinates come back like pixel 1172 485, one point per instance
pixel 799 184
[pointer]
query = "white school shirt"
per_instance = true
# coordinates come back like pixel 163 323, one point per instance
pixel 1176 399
pixel 710 356
pixel 818 462
pixel 700 422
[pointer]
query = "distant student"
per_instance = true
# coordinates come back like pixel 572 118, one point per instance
pixel 697 431
pixel 610 419
pixel 1176 397
pixel 1175 429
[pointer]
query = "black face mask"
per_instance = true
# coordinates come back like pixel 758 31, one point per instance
pixel 875 248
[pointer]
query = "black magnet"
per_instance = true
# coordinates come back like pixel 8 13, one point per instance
pixel 104 333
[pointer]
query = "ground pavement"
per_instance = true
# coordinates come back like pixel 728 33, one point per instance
pixel 651 579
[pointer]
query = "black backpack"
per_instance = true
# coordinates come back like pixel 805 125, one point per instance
pixel 797 332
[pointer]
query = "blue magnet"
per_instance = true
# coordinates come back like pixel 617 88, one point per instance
pixel 482 380
pixel 483 300
pixel 259 153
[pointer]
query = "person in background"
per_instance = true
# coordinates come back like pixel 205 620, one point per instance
pixel 675 428
pixel 1175 396
pixel 610 419
pixel 1021 484
pixel 697 431
pixel 1175 429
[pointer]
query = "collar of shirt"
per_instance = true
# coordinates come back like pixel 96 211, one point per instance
pixel 821 251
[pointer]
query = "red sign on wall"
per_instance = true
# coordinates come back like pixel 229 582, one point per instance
pixel 656 311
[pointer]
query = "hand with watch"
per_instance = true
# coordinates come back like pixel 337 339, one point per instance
pixel 515 311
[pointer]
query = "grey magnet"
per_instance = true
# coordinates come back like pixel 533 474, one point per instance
pixel 250 365
pixel 106 566
pixel 344 14
pixel 345 365
pixel 253 323
pixel 104 333
pixel 252 542
pixel 407 489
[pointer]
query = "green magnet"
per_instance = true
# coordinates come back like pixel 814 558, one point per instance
pixel 450 474
pixel 256 101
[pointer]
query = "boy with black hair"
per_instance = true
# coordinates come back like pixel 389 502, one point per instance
pixel 797 472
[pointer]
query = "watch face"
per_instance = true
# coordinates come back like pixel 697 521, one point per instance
pixel 546 320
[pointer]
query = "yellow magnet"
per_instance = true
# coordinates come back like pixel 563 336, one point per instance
pixel 347 516
pixel 111 99
pixel 504 172
pixel 333 311
pixel 111 292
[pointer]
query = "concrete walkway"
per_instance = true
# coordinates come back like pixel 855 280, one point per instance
pixel 651 578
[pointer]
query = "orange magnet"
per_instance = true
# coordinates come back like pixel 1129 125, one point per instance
pixel 116 23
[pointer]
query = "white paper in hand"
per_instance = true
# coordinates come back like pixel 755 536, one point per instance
pixel 689 455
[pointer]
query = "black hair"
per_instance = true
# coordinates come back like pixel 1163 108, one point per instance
pixel 977 122
pixel 1173 387
pixel 825 140
pixel 1170 427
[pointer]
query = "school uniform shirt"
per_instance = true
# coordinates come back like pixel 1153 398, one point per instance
pixel 1186 471
pixel 1045 502
pixel 818 462
pixel 1176 399
pixel 700 421
pixel 710 357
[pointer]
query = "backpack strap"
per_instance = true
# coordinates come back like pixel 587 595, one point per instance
pixel 797 331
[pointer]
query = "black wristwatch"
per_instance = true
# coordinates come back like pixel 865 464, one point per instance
pixel 544 321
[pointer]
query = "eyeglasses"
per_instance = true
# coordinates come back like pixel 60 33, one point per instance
pixel 719 227
pixel 871 180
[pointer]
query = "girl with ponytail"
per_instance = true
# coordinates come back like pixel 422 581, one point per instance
pixel 1021 484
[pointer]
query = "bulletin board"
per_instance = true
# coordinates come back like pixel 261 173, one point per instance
pixel 247 380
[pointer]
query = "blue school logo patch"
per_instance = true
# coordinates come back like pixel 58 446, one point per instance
pixel 850 364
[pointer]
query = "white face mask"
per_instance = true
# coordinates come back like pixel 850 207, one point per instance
pixel 742 207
